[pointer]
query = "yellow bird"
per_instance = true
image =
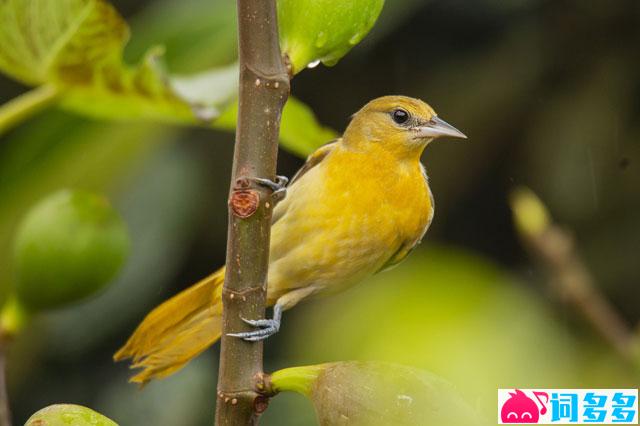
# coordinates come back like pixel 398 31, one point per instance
pixel 359 205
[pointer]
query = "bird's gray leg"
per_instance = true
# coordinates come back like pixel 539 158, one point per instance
pixel 269 327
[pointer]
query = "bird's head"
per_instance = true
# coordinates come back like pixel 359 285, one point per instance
pixel 398 124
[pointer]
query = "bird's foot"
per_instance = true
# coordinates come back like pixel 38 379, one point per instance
pixel 278 188
pixel 266 328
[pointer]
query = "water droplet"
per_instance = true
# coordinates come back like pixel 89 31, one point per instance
pixel 355 39
pixel 314 64
pixel 205 113
pixel 321 40
pixel 404 400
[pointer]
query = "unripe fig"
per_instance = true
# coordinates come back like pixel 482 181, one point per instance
pixel 69 246
pixel 376 393
pixel 68 414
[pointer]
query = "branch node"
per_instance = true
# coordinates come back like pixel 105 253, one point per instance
pixel 288 65
pixel 243 182
pixel 268 78
pixel 264 385
pixel 260 404
pixel 244 202
pixel 240 294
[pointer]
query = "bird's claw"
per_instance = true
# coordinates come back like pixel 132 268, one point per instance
pixel 280 183
pixel 278 188
pixel 266 328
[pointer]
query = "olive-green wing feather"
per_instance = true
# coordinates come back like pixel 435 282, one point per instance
pixel 312 160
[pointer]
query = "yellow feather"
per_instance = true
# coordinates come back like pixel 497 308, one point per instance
pixel 176 331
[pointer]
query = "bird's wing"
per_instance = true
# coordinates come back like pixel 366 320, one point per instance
pixel 312 160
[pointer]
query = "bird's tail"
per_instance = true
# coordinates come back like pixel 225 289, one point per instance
pixel 176 331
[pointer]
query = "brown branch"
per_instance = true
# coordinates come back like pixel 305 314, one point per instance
pixel 5 411
pixel 574 284
pixel 264 88
pixel 570 277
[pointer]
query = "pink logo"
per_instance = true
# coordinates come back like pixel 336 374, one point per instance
pixel 519 408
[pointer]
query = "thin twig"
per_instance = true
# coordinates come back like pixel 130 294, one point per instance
pixel 13 318
pixel 264 88
pixel 5 411
pixel 570 277
pixel 574 284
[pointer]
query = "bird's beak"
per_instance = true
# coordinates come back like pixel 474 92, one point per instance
pixel 437 128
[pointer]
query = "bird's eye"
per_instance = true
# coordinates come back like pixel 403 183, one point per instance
pixel 400 116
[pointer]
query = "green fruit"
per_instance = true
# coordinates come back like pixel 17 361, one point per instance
pixel 68 415
pixel 69 246
pixel 376 393
pixel 323 30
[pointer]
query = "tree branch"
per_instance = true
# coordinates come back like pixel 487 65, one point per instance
pixel 264 88
pixel 570 277
pixel 573 283
pixel 5 411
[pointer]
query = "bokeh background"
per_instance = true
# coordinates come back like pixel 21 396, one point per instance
pixel 549 95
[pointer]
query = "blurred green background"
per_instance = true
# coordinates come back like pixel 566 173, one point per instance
pixel 547 92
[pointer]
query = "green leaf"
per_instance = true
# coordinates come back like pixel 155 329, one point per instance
pixel 373 393
pixel 323 30
pixel 68 414
pixel 148 92
pixel 46 40
pixel 300 131
pixel 198 34
pixel 76 46
pixel 26 105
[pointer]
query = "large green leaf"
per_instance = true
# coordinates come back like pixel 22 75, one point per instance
pixel 147 92
pixel 66 40
pixel 198 34
pixel 76 46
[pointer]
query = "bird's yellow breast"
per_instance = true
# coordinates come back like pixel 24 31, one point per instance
pixel 345 218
